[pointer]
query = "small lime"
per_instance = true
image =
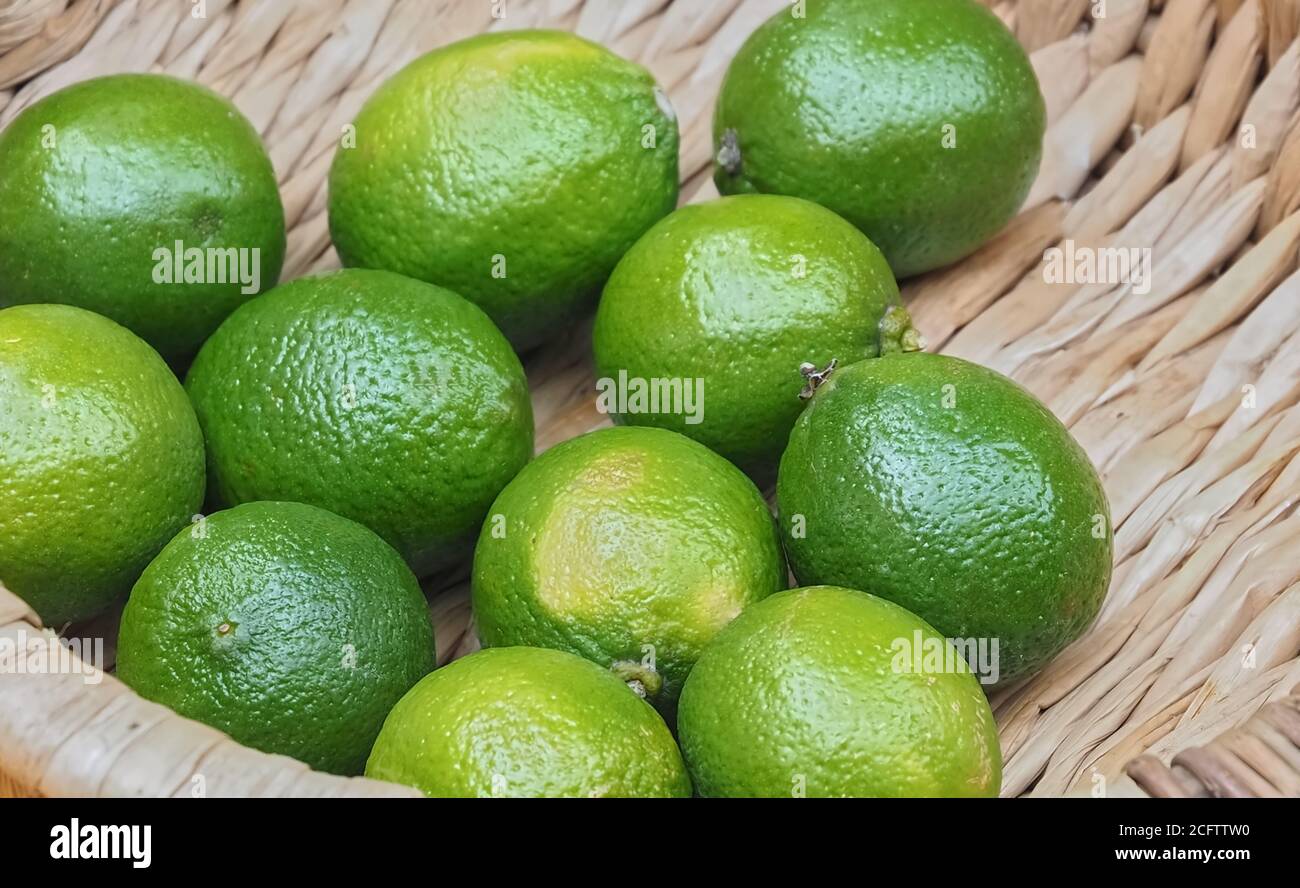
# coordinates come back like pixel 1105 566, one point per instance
pixel 727 300
pixel 141 197
pixel 527 722
pixel 101 459
pixel 514 167
pixel 919 121
pixel 631 547
pixel 816 692
pixel 291 629
pixel 384 399
pixel 947 488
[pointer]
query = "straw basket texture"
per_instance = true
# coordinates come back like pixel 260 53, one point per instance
pixel 1174 127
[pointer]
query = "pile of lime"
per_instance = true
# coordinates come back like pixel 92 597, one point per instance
pixel 356 432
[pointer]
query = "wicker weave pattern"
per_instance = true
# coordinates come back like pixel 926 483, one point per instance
pixel 1174 126
pixel 1260 759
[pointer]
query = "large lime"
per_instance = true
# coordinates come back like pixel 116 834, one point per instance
pixel 724 302
pixel 527 722
pixel 291 629
pixel 513 167
pixel 949 489
pixel 629 546
pixel 919 121
pixel 145 198
pixel 101 459
pixel 830 692
pixel 383 399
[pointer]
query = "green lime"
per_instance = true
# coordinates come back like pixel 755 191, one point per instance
pixel 291 629
pixel 919 121
pixel 631 547
pixel 527 722
pixel 727 300
pixel 826 691
pixel 101 459
pixel 386 400
pixel 147 199
pixel 949 489
pixel 514 168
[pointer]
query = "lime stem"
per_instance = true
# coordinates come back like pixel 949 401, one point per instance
pixel 897 335
pixel 729 152
pixel 642 679
pixel 815 377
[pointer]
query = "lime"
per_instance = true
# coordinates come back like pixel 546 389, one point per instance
pixel 145 198
pixel 101 459
pixel 817 692
pixel 727 299
pixel 949 489
pixel 291 629
pixel 514 168
pixel 386 400
pixel 631 547
pixel 919 121
pixel 527 722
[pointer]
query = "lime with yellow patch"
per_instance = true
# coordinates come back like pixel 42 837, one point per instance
pixel 519 722
pixel 631 547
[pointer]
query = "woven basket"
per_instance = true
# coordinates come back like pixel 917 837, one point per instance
pixel 1174 127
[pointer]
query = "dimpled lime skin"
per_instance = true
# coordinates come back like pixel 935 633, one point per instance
pixel 98 176
pixel 521 722
pixel 803 695
pixel 386 400
pixel 624 538
pixel 919 121
pixel 514 168
pixel 738 293
pixel 291 629
pixel 947 488
pixel 101 459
